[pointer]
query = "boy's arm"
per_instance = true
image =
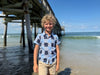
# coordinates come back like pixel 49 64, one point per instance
pixel 58 57
pixel 35 58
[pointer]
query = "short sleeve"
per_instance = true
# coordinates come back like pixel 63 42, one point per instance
pixel 57 40
pixel 37 39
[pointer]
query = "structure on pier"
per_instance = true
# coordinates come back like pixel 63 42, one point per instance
pixel 30 13
pixel 63 29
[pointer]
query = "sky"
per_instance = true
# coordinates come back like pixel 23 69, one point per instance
pixel 73 15
pixel 77 15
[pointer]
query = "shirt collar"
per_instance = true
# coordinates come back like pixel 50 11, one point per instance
pixel 47 35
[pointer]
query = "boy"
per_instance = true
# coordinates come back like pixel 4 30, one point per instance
pixel 47 45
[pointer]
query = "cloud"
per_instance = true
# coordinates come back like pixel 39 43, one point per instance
pixel 83 27
pixel 14 24
pixel 75 26
pixel 67 25
pixel 12 29
pixel 71 27
pixel 18 29
pixel 96 27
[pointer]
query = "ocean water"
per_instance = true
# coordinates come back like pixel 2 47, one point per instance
pixel 14 39
pixel 82 41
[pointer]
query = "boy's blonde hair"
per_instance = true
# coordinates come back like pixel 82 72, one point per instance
pixel 48 17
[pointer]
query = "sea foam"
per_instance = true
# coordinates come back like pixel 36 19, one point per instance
pixel 98 37
pixel 3 37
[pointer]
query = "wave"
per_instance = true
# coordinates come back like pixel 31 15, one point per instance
pixel 2 36
pixel 82 37
pixel 98 37
pixel 10 36
pixel 13 36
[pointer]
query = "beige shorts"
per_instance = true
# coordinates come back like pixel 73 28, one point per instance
pixel 44 69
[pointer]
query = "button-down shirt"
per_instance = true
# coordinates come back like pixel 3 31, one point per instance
pixel 47 47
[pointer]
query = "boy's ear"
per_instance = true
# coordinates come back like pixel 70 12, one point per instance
pixel 53 25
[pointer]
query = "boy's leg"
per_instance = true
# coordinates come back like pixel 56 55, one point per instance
pixel 43 70
pixel 52 69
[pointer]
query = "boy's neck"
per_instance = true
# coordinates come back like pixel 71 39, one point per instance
pixel 48 33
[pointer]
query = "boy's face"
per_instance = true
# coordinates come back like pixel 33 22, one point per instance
pixel 48 26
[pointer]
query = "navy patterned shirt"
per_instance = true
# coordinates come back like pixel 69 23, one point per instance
pixel 47 47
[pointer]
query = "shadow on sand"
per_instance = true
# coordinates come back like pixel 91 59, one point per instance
pixel 67 71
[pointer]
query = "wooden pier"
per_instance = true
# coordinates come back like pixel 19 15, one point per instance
pixel 30 13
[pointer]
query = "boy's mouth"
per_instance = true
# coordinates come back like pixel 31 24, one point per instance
pixel 48 28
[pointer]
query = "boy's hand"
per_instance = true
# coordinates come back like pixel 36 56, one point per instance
pixel 35 68
pixel 57 68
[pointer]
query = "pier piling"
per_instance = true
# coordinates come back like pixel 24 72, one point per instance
pixel 5 35
pixel 27 21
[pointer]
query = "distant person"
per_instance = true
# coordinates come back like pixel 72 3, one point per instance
pixel 47 45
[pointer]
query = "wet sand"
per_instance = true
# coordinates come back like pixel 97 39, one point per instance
pixel 79 63
pixel 15 61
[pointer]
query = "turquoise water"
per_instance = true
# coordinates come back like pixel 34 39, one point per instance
pixel 81 44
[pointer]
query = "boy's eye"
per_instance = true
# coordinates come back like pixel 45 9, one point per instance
pixel 50 23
